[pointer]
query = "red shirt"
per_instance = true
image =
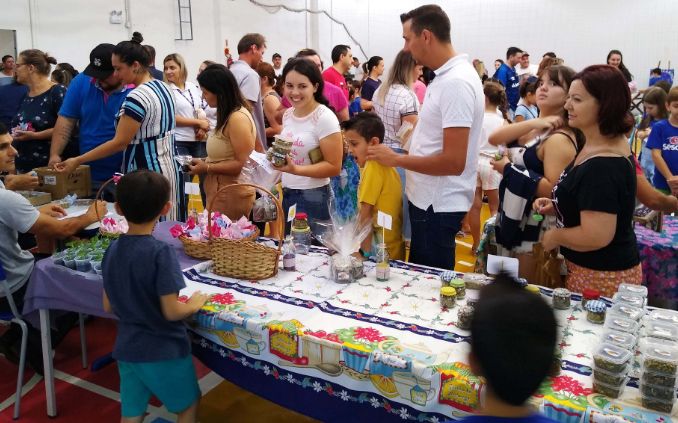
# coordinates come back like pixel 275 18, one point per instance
pixel 333 77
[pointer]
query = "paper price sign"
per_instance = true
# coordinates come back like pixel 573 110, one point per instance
pixel 291 212
pixel 191 188
pixel 384 220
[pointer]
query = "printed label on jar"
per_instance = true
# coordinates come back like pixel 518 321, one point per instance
pixel 289 263
pixel 383 272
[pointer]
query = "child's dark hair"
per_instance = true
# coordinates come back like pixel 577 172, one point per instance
pixel 132 51
pixel 656 71
pixel 367 125
pixel 495 93
pixel 529 86
pixel 3 129
pixel 513 339
pixel 141 195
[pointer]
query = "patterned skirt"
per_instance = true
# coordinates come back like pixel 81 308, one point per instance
pixel 607 282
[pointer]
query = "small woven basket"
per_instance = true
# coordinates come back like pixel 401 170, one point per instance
pixel 245 258
pixel 99 218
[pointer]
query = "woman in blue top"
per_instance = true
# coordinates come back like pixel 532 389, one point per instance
pixel 145 125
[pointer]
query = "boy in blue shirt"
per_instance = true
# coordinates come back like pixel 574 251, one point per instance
pixel 142 280
pixel 663 141
pixel 513 339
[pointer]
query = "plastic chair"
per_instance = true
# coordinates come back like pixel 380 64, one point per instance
pixel 15 317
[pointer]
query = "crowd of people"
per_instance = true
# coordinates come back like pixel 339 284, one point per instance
pixel 432 140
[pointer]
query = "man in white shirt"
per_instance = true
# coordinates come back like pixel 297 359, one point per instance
pixel 277 64
pixel 441 164
pixel 251 49
pixel 525 68
pixel 356 70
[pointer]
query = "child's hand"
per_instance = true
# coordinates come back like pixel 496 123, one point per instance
pixel 197 300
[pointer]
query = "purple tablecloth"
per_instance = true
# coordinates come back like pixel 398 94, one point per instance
pixel 59 288
pixel 659 258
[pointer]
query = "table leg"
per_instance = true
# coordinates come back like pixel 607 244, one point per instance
pixel 46 336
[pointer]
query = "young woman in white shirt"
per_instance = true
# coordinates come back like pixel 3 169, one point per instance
pixel 314 128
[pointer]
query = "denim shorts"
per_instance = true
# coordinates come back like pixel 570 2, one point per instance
pixel 173 382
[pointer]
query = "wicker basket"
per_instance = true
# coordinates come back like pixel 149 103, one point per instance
pixel 99 218
pixel 245 258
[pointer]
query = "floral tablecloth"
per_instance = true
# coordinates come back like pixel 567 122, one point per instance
pixel 372 350
pixel 659 258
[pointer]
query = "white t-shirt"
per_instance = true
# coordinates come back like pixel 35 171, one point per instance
pixel 16 215
pixel 454 99
pixel 357 73
pixel 187 101
pixel 531 69
pixel 306 133
pixel 491 122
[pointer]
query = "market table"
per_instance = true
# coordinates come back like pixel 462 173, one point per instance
pixel 659 258
pixel 53 287
pixel 373 350
pixel 368 350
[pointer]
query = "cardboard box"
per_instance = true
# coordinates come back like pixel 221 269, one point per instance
pixel 60 185
pixel 36 198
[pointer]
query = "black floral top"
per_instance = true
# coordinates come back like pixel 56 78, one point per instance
pixel 37 114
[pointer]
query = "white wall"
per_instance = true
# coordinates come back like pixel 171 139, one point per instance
pixel 580 31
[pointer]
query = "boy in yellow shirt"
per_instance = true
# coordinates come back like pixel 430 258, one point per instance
pixel 380 188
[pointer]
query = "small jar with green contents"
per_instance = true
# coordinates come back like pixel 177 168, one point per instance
pixel 447 297
pixel 561 298
pixel 464 317
pixel 595 312
pixel 460 286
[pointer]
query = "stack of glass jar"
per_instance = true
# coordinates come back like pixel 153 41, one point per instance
pixel 659 360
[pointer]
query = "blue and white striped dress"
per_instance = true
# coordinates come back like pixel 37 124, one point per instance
pixel 152 105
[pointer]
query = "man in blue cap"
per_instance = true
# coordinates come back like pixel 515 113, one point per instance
pixel 93 100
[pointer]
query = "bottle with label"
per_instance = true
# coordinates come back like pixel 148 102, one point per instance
pixel 289 254
pixel 382 258
pixel 301 233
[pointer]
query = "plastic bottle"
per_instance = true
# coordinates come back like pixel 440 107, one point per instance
pixel 289 253
pixel 382 258
pixel 301 233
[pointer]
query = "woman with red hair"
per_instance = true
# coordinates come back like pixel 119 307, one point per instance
pixel 594 198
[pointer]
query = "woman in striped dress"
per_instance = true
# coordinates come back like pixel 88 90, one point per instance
pixel 145 124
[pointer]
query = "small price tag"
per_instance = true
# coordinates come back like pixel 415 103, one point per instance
pixel 291 212
pixel 496 264
pixel 384 220
pixel 191 188
pixel 50 180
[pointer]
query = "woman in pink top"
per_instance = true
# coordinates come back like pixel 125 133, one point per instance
pixel 418 86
